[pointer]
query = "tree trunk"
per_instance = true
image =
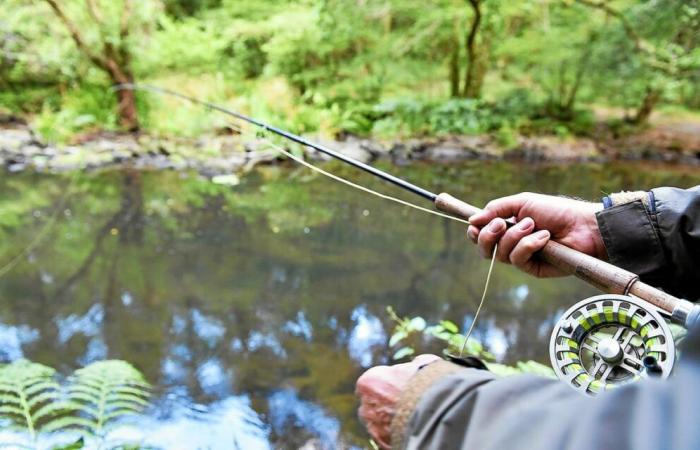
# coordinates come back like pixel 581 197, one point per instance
pixel 651 98
pixel 128 116
pixel 126 98
pixel 474 76
pixel 454 69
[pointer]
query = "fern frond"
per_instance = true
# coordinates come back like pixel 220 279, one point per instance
pixel 107 391
pixel 25 386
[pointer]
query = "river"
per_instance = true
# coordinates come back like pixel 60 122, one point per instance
pixel 253 307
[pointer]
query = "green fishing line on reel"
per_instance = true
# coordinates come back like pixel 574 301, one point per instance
pixel 609 340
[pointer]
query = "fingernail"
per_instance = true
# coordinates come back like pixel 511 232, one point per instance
pixel 496 226
pixel 471 233
pixel 525 224
pixel 542 235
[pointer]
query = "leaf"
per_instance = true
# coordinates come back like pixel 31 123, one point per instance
pixel 449 326
pixel 51 410
pixel 397 337
pixel 226 180
pixel 403 352
pixel 77 445
pixel 106 391
pixel 26 386
pixel 417 324
pixel 44 396
pixel 68 422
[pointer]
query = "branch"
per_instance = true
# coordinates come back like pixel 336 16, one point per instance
pixel 629 29
pixel 75 34
pixel 125 18
pixel 641 45
pixel 94 13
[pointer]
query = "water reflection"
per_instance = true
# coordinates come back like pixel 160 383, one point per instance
pixel 253 309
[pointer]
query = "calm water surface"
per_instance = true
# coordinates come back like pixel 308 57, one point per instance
pixel 253 308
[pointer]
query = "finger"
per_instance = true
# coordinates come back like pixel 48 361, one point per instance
pixel 367 380
pixel 473 233
pixel 501 207
pixel 489 236
pixel 511 237
pixel 425 359
pixel 521 256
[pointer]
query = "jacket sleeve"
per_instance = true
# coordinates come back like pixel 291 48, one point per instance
pixel 469 409
pixel 656 235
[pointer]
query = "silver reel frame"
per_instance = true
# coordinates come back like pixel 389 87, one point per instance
pixel 590 364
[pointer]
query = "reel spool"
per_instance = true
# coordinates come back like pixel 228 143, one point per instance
pixel 609 340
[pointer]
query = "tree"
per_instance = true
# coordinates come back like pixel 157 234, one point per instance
pixel 665 37
pixel 476 54
pixel 110 52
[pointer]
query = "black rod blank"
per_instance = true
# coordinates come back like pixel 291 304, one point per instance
pixel 292 137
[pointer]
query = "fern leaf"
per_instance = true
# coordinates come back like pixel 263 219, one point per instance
pixel 87 390
pixel 66 423
pixel 42 397
pixel 42 385
pixel 25 385
pixel 9 399
pixel 51 410
pixel 138 390
pixel 117 414
pixel 135 408
pixel 107 391
pixel 139 400
pixel 8 410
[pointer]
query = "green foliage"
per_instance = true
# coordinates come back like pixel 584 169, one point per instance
pixel 338 66
pixel 413 335
pixel 103 393
pixel 29 397
pixel 95 398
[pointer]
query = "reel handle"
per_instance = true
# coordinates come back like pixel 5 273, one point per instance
pixel 605 276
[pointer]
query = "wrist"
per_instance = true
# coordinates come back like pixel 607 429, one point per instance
pixel 592 223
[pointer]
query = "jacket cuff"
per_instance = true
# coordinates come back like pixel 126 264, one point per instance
pixel 417 385
pixel 620 198
pixel 631 237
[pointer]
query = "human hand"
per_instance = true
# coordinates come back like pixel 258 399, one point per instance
pixel 379 390
pixel 569 222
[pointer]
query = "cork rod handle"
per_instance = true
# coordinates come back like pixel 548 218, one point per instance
pixel 603 275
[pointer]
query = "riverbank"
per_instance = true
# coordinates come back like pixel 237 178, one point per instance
pixel 21 149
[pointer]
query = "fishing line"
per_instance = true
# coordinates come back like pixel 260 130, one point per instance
pixel 360 187
pixel 303 141
pixel 405 203
pixel 481 303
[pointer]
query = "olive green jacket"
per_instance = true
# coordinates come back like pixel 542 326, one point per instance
pixel 654 234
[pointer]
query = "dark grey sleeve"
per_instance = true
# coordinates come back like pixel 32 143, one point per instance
pixel 461 411
pixel 656 235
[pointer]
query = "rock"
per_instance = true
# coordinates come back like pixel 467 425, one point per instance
pixel 363 150
pixel 448 153
pixel 553 148
pixel 403 152
pixel 16 167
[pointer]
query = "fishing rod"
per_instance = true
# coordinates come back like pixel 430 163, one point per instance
pixel 599 342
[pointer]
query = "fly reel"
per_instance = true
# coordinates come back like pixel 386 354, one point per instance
pixel 609 340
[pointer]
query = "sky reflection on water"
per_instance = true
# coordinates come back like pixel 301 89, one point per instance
pixel 253 309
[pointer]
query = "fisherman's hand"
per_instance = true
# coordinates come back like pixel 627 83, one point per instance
pixel 570 222
pixel 379 390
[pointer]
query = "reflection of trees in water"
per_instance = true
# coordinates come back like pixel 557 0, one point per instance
pixel 199 286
